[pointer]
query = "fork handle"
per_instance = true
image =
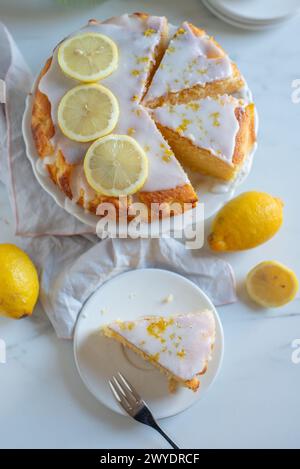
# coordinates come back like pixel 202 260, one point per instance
pixel 171 443
pixel 146 417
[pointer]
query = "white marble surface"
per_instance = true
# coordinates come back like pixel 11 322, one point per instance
pixel 255 402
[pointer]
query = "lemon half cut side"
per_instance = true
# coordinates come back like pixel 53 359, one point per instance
pixel 271 284
pixel 116 165
pixel 88 57
pixel 88 112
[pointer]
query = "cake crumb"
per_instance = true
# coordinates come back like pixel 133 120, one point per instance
pixel 168 298
pixel 131 131
pixel 132 295
pixel 103 311
pixel 135 73
pixel 149 32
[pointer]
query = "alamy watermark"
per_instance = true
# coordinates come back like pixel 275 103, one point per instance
pixel 296 352
pixel 296 91
pixel 139 220
pixel 2 352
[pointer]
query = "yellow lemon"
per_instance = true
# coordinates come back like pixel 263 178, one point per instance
pixel 246 221
pixel 116 165
pixel 19 283
pixel 88 57
pixel 271 284
pixel 88 112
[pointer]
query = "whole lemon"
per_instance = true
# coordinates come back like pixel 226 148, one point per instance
pixel 19 283
pixel 246 221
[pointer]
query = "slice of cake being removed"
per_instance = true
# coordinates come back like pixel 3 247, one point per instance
pixel 194 66
pixel 212 136
pixel 180 346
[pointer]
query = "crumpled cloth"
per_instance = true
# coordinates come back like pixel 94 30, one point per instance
pixel 73 271
pixel 72 262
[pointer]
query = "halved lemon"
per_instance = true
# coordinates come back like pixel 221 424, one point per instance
pixel 88 112
pixel 271 284
pixel 116 165
pixel 88 57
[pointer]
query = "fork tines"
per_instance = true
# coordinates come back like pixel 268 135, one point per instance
pixel 126 395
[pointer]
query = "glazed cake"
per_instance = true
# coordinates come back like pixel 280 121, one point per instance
pixel 140 40
pixel 194 66
pixel 211 135
pixel 146 77
pixel 179 346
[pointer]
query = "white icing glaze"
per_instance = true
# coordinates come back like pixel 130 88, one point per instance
pixel 134 22
pixel 136 41
pixel 164 170
pixel 209 123
pixel 78 181
pixel 189 60
pixel 41 164
pixel 181 343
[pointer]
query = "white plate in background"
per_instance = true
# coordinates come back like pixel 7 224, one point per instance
pixel 257 10
pixel 251 14
pixel 128 296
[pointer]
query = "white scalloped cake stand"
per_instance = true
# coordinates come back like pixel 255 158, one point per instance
pixel 210 193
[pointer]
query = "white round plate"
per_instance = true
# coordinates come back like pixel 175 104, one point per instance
pixel 129 296
pixel 240 23
pixel 257 10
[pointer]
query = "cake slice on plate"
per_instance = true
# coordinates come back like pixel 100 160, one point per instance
pixel 194 66
pixel 212 136
pixel 180 346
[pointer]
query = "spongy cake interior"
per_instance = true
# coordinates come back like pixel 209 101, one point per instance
pixel 192 384
pixel 205 162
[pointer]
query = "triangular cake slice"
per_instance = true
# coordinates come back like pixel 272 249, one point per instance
pixel 180 346
pixel 194 66
pixel 212 136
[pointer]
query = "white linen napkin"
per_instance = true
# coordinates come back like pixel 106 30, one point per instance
pixel 72 271
pixel 35 211
pixel 71 266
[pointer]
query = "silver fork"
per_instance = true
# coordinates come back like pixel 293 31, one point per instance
pixel 134 405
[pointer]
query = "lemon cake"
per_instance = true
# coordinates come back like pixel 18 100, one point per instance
pixel 140 40
pixel 113 79
pixel 194 66
pixel 212 136
pixel 180 346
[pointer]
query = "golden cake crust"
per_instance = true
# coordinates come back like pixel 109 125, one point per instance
pixel 217 88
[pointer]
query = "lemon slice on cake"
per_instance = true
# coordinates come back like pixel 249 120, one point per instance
pixel 116 165
pixel 88 112
pixel 88 57
pixel 271 284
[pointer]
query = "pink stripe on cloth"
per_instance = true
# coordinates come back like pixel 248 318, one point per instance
pixel 2 92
